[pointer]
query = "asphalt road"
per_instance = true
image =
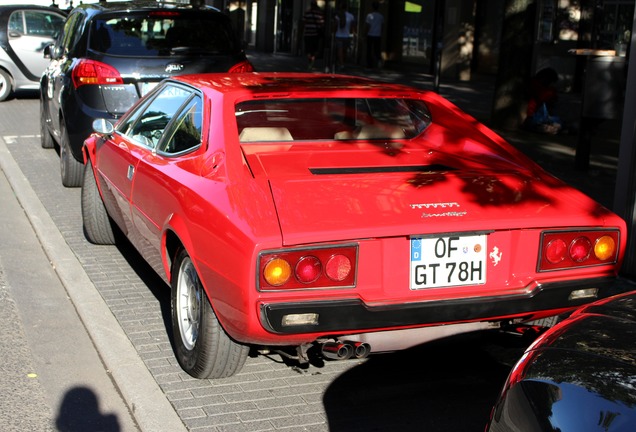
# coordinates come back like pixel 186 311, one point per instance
pixel 448 385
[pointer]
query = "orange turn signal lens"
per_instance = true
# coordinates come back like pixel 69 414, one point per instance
pixel 277 272
pixel 605 248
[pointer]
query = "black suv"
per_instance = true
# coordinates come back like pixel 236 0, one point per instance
pixel 110 54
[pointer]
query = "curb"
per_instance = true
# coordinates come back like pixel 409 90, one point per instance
pixel 141 393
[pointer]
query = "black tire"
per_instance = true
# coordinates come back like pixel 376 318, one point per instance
pixel 5 85
pixel 71 170
pixel 202 347
pixel 98 226
pixel 46 140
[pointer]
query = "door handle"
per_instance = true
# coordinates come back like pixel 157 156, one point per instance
pixel 131 172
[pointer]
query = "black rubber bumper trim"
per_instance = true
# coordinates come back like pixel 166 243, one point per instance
pixel 354 315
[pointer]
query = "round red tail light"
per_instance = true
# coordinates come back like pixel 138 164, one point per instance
pixel 338 267
pixel 580 249
pixel 555 251
pixel 308 269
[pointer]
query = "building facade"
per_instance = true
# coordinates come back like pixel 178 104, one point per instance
pixel 463 36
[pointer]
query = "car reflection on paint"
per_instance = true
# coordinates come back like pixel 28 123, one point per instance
pixel 578 376
pixel 336 216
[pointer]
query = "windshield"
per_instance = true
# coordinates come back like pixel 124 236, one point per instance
pixel 162 35
pixel 331 118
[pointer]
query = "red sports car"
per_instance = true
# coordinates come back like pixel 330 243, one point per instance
pixel 337 215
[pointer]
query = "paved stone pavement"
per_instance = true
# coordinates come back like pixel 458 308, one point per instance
pixel 140 302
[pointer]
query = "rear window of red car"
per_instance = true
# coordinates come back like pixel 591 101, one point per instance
pixel 331 118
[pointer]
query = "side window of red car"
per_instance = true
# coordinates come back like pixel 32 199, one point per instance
pixel 185 131
pixel 148 125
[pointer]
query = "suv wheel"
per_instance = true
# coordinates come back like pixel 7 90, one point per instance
pixel 5 85
pixel 46 140
pixel 71 170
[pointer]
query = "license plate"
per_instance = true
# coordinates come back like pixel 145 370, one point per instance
pixel 447 261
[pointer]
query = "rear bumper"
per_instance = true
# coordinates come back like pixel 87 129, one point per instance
pixel 355 316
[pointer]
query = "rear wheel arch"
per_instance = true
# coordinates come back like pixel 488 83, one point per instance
pixel 172 246
pixel 202 346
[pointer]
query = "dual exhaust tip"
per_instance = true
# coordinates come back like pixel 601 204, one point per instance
pixel 345 350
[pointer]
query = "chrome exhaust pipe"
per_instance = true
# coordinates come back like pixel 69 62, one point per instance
pixel 360 349
pixel 337 350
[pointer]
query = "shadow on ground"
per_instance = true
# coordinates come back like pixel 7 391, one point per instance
pixel 421 388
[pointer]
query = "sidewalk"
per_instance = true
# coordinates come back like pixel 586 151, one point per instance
pixel 52 376
pixel 67 365
pixel 555 153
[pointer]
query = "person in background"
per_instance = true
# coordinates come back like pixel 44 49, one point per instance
pixel 542 98
pixel 374 23
pixel 345 27
pixel 313 25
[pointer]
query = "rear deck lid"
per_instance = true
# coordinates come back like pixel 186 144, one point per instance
pixel 364 191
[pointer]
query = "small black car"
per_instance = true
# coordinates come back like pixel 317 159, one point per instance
pixel 580 375
pixel 108 55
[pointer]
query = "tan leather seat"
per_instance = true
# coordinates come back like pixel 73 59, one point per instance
pixel 375 131
pixel 254 134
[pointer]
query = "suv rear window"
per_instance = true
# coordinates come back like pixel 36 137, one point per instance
pixel 162 34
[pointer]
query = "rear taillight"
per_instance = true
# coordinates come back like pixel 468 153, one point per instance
pixel 94 72
pixel 572 249
pixel 325 267
pixel 244 66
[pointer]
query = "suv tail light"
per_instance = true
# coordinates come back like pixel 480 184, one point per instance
pixel 94 72
pixel 244 66
pixel 572 249
pixel 325 267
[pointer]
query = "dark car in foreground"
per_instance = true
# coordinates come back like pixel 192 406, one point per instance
pixel 25 30
pixel 338 216
pixel 578 376
pixel 110 54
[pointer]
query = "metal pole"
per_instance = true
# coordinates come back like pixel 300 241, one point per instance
pixel 439 44
pixel 625 192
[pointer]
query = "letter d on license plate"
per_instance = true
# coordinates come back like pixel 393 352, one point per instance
pixel 447 261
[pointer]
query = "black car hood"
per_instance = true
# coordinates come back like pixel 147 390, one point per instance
pixel 579 376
